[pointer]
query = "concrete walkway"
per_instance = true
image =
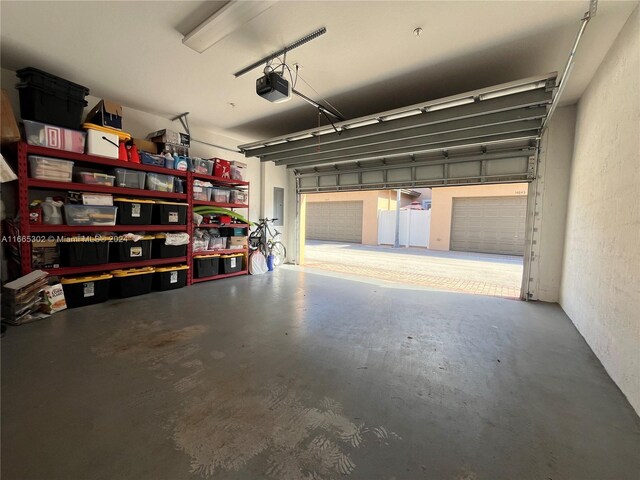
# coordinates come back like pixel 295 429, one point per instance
pixel 476 273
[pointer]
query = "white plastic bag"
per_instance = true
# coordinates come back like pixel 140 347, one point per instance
pixel 257 263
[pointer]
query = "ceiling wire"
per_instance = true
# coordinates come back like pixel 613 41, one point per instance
pixel 321 97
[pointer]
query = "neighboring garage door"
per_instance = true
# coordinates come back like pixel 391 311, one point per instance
pixel 489 224
pixel 337 221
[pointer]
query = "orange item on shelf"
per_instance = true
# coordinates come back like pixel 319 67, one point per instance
pixel 122 152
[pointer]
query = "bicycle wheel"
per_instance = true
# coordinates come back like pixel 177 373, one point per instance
pixel 279 253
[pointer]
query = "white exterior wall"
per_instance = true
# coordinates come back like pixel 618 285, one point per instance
pixel 550 192
pixel 600 288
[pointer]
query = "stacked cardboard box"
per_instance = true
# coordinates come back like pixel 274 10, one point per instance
pixel 22 299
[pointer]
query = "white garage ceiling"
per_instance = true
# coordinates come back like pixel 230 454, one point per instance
pixel 368 61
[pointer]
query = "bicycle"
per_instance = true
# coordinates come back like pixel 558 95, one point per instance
pixel 266 241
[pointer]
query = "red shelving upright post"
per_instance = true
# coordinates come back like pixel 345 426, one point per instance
pixel 23 209
pixel 190 229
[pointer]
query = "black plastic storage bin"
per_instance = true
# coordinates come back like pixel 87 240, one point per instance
pixel 169 213
pixel 133 211
pixel 88 251
pixel 131 282
pixel 81 291
pixel 206 265
pixel 170 278
pixel 231 263
pixel 50 99
pixel 161 250
pixel 130 251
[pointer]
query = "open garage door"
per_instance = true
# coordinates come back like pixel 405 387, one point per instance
pixel 485 136
pixel 489 225
pixel 334 221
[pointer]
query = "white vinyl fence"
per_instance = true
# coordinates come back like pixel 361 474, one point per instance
pixel 414 227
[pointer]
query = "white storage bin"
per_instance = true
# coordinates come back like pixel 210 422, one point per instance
pixel 46 168
pixel 102 144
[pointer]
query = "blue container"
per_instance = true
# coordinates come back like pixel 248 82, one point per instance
pixel 150 159
pixel 270 262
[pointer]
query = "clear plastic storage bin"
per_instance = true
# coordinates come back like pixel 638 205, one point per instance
pixel 201 193
pixel 159 182
pixel 50 136
pixel 91 178
pixel 46 168
pixel 82 215
pixel 202 166
pixel 239 196
pixel 129 178
pixel 220 195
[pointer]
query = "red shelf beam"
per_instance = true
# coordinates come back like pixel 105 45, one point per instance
pixel 106 267
pixel 95 160
pixel 218 204
pixel 217 277
pixel 221 252
pixel 222 225
pixel 106 228
pixel 84 187
pixel 220 181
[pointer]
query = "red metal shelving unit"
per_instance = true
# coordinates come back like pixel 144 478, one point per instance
pixel 221 182
pixel 23 150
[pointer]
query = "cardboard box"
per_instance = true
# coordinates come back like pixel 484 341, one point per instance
pixel 45 254
pixel 145 145
pixel 237 242
pixel 169 136
pixel 107 114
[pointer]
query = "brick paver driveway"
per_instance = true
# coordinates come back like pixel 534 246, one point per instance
pixel 477 273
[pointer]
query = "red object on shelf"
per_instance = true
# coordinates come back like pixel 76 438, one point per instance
pixel 35 215
pixel 221 168
pixel 133 154
pixel 122 152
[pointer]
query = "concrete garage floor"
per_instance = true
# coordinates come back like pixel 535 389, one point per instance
pixel 466 272
pixel 294 376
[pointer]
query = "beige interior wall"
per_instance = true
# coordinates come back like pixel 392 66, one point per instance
pixel 369 210
pixel 600 289
pixel 442 203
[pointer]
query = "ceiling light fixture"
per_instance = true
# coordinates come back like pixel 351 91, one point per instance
pixel 223 22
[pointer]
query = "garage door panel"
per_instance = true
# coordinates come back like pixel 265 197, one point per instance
pixel 334 221
pixel 489 224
